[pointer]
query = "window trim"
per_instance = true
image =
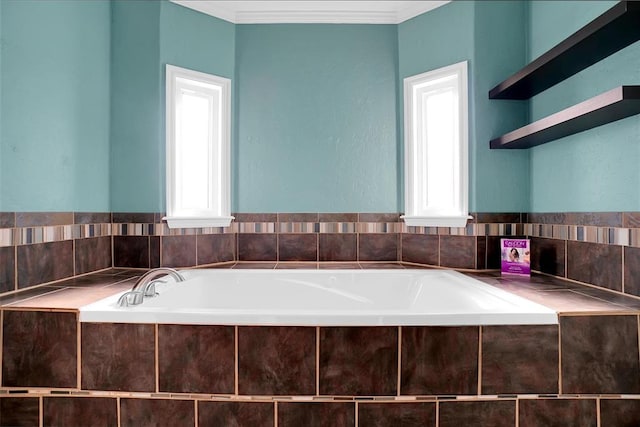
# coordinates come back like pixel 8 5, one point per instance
pixel 223 217
pixel 413 217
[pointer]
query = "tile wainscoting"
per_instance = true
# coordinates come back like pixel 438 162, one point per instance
pixel 600 249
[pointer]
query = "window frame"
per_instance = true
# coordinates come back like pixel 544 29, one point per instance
pixel 454 216
pixel 220 217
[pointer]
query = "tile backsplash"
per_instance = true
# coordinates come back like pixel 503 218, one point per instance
pixel 601 248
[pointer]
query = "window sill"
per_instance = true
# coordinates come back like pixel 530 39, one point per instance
pixel 436 221
pixel 194 222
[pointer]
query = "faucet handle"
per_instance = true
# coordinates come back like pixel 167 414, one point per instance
pixel 150 288
pixel 130 298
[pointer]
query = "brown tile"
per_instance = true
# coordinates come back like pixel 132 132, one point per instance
pixel 297 217
pixel 490 413
pixel 381 265
pixel 255 265
pixel 595 263
pixel 36 219
pixel 214 248
pixel 378 247
pixel 276 360
pixel 7 269
pixel 378 217
pixel 496 217
pixel 458 251
pixel 39 349
pixel 598 219
pixel 255 217
pixel 359 361
pixel 339 266
pixel 631 219
pixel 133 218
pixel 257 247
pixel 438 360
pixel 420 248
pixel 600 354
pixel 631 270
pixel 557 412
pixel 44 262
pixel 338 247
pixel 481 252
pixel 92 254
pixel 338 217
pixel 298 247
pixel 178 251
pixel 154 251
pixel 7 219
pixel 316 414
pixel 157 412
pixel 131 251
pixel 493 252
pixel 19 411
pixel 619 412
pixel 547 218
pixel 421 414
pixel 297 265
pixel 91 217
pixel 196 358
pixel 68 411
pixel 548 256
pixel 249 414
pixel 118 356
pixel 520 359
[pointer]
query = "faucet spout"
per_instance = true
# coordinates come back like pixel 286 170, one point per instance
pixel 145 286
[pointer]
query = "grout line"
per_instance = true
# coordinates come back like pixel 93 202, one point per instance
pixel 15 267
pixel 196 250
pixel 277 247
pixel 437 413
pixel 156 361
pixel 357 405
pixel 357 249
pixel 598 417
pixel 149 252
pixel 41 411
pixel 235 362
pixel 399 384
pixel 566 258
pixel 439 240
pixel 517 412
pixel 79 352
pixel 559 357
pixel 118 409
pixel 73 254
pixel 195 413
pixel 1 342
pixel 623 261
pixel 479 360
pixel 317 360
pixel 275 413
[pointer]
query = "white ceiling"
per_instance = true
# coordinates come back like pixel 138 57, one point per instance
pixel 313 11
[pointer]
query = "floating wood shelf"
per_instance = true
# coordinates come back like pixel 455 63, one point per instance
pixel 612 31
pixel 616 104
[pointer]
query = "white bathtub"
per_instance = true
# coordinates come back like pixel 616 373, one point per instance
pixel 325 298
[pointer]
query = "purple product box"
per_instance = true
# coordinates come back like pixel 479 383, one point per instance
pixel 515 256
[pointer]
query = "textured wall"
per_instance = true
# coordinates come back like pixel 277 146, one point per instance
pixel 55 105
pixel 316 118
pixel 596 170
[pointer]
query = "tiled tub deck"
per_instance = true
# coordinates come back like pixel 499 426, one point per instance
pixel 55 371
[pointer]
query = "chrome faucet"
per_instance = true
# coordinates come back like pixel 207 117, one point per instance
pixel 146 286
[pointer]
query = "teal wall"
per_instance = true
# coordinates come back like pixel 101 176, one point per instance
pixel 489 36
pixel 146 36
pixel 596 170
pixel 316 118
pixel 54 108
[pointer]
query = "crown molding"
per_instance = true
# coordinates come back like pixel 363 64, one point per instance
pixel 313 12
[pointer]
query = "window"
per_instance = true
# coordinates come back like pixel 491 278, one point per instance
pixel 198 141
pixel 436 140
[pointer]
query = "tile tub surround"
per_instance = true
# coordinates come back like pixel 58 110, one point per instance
pixel 369 376
pixel 601 249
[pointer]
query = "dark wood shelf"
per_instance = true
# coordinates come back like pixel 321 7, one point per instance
pixel 616 104
pixel 612 31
